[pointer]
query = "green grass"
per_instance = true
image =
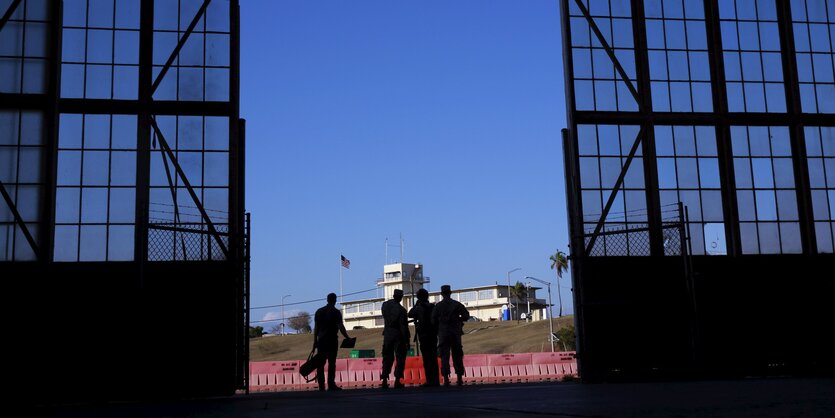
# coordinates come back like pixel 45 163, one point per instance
pixel 479 338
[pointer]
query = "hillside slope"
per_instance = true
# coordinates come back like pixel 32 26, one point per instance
pixel 479 338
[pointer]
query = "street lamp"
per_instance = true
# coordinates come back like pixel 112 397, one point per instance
pixel 415 271
pixel 283 319
pixel 510 305
pixel 550 312
pixel 528 300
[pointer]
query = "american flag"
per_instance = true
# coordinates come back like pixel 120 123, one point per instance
pixel 345 262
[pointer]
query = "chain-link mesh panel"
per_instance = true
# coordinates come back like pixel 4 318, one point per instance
pixel 185 242
pixel 628 240
pixel 632 239
pixel 671 234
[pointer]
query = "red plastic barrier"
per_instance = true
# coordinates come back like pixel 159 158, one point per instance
pixel 259 367
pixel 551 358
pixel 475 360
pixel 509 359
pixel 506 367
pixel 554 366
pixel 365 372
pixel 475 368
pixel 274 375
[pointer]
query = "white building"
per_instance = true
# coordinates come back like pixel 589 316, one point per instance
pixel 486 303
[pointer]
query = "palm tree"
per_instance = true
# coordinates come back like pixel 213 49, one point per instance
pixel 519 291
pixel 559 262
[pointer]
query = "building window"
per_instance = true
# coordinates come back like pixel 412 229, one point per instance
pixel 820 150
pixel 200 72
pixel 350 309
pixel 95 204
pixel 468 296
pixel 688 172
pixel 677 51
pixel 24 69
pixel 603 150
pixel 201 146
pixel 814 42
pixel 486 294
pixel 766 195
pixel 100 55
pixel 753 63
pixel 393 275
pixel 21 167
pixel 597 83
pixel 24 52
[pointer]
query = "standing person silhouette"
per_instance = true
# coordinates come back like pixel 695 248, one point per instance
pixel 427 335
pixel 395 338
pixel 449 316
pixel 327 322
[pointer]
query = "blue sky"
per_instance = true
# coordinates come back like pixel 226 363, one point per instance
pixel 437 120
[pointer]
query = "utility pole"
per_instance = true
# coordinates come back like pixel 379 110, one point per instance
pixel 283 319
pixel 550 311
pixel 412 283
pixel 509 303
pixel 528 299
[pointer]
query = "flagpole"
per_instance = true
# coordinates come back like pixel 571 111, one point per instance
pixel 340 281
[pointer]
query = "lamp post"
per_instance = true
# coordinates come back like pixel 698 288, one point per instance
pixel 415 271
pixel 283 319
pixel 550 312
pixel 509 304
pixel 528 300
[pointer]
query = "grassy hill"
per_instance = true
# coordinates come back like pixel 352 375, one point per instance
pixel 479 338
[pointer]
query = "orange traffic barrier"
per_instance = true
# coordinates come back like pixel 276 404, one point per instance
pixel 411 372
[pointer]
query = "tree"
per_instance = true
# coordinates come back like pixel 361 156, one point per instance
pixel 276 329
pixel 255 332
pixel 519 291
pixel 300 322
pixel 559 262
pixel 567 337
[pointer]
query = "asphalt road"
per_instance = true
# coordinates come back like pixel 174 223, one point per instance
pixel 773 397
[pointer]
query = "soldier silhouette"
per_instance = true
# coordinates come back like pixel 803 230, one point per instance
pixel 449 316
pixel 427 336
pixel 327 322
pixel 395 338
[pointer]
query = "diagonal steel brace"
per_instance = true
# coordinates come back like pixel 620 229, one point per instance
pixel 18 218
pixel 8 14
pixel 615 190
pixel 180 44
pixel 609 51
pixel 173 191
pixel 164 145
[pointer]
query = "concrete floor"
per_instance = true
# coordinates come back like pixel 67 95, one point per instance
pixel 774 397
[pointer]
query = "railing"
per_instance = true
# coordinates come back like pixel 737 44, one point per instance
pixel 622 237
pixel 185 242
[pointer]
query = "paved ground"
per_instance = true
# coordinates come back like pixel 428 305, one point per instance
pixel 731 398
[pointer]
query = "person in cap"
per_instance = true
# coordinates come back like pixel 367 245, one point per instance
pixel 449 316
pixel 427 336
pixel 326 323
pixel 395 338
